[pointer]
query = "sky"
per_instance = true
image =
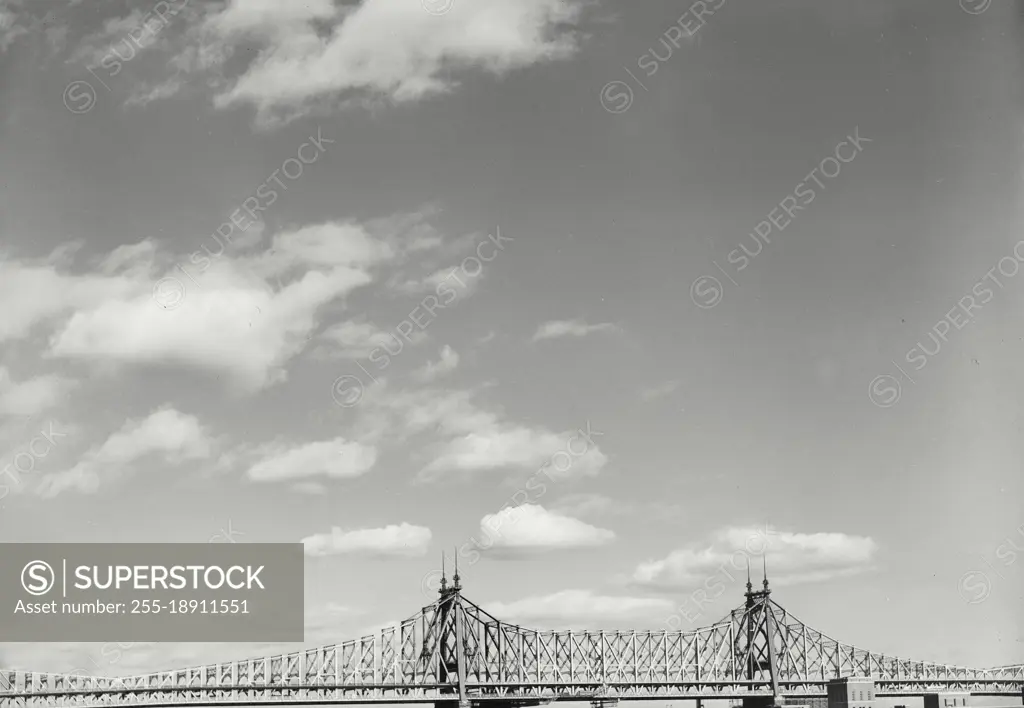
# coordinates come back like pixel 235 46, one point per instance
pixel 605 299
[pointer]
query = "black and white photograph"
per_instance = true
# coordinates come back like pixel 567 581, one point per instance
pixel 512 353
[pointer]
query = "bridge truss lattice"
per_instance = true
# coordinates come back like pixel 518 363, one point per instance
pixel 454 651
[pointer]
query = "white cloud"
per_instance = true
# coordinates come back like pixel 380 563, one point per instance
pixel 792 557
pixel 338 458
pixel 578 608
pixel 10 29
pixel 31 396
pixel 531 527
pixel 33 293
pixel 473 439
pixel 448 362
pixel 394 540
pixel 229 320
pixel 509 446
pixel 242 316
pixel 166 433
pixel 359 339
pixel 570 328
pixel 382 47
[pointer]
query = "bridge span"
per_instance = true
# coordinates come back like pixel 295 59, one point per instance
pixel 454 654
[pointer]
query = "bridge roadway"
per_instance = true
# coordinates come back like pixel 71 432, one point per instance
pixel 454 654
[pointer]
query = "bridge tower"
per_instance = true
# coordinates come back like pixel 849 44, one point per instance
pixel 452 640
pixel 758 631
pixel 459 651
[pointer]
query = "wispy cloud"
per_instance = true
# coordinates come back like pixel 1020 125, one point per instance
pixel 570 328
pixel 660 391
pixel 394 540
pixel 166 433
pixel 794 557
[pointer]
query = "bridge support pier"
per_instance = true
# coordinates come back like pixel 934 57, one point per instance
pixel 852 692
pixel 947 699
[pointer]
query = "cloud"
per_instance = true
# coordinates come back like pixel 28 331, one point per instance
pixel 570 328
pixel 433 370
pixel 472 439
pixel 394 540
pixel 32 396
pixel 579 608
pixel 167 434
pixel 359 339
pixel 317 51
pixel 240 315
pixel 660 391
pixel 338 459
pixel 230 323
pixel 510 446
pixel 531 527
pixel 9 28
pixel 793 557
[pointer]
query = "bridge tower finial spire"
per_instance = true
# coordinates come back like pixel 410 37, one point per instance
pixel 764 559
pixel 750 586
pixel 455 579
pixel 444 580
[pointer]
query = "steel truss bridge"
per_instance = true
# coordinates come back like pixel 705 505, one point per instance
pixel 455 654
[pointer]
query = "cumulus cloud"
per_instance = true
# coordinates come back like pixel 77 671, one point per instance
pixel 242 316
pixel 531 527
pixel 166 434
pixel 570 328
pixel 316 51
pixel 793 557
pixel 338 458
pixel 394 540
pixel 579 608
